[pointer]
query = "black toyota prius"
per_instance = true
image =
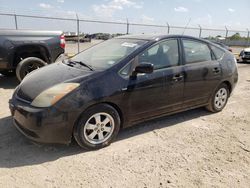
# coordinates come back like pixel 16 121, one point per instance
pixel 119 83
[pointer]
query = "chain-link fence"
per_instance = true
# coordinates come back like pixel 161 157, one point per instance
pixel 230 37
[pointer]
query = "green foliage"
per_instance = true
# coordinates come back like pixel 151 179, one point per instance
pixel 235 36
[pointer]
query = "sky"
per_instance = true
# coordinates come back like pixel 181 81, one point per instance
pixel 206 13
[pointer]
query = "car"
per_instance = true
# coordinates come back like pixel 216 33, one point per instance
pixel 244 55
pixel 22 51
pixel 74 38
pixel 223 46
pixel 119 83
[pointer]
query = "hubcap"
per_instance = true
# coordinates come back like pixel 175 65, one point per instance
pixel 220 98
pixel 99 128
pixel 31 67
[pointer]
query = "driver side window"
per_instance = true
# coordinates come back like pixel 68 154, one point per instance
pixel 162 55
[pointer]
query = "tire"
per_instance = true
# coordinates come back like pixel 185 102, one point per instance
pixel 28 65
pixel 219 99
pixel 101 119
pixel 8 73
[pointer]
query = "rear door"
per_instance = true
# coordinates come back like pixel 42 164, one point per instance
pixel 202 72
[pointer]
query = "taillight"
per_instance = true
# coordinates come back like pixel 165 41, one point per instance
pixel 62 41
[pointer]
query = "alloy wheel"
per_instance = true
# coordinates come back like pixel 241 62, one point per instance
pixel 31 67
pixel 99 128
pixel 220 98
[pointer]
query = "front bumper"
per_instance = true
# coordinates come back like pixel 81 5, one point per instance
pixel 245 57
pixel 45 125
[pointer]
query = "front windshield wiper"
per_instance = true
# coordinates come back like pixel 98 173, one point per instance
pixel 81 63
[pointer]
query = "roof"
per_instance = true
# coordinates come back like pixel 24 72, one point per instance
pixel 142 36
pixel 156 37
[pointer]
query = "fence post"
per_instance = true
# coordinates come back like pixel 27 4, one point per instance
pixel 248 37
pixel 168 27
pixel 78 33
pixel 226 35
pixel 127 27
pixel 200 31
pixel 15 21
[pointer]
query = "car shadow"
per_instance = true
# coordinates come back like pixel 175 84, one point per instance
pixel 8 82
pixel 162 122
pixel 18 151
pixel 243 62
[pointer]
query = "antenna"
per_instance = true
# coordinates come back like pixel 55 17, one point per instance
pixel 186 26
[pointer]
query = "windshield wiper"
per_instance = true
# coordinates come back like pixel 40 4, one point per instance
pixel 81 63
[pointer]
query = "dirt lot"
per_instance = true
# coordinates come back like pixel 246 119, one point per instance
pixel 189 149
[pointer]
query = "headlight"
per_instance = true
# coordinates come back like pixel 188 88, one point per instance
pixel 50 96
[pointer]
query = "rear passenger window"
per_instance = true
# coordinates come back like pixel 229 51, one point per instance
pixel 196 51
pixel 217 52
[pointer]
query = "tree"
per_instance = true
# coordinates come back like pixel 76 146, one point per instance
pixel 235 36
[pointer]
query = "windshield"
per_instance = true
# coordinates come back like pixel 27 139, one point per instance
pixel 108 53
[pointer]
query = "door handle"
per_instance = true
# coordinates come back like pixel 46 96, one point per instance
pixel 177 77
pixel 216 70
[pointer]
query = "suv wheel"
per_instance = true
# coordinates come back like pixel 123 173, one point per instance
pixel 28 65
pixel 97 127
pixel 219 99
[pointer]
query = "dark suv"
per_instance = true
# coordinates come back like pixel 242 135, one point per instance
pixel 119 83
pixel 22 51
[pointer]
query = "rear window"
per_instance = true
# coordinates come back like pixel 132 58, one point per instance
pixel 217 52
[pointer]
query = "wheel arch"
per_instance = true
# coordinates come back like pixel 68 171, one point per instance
pixel 31 50
pixel 115 106
pixel 229 85
pixel 118 109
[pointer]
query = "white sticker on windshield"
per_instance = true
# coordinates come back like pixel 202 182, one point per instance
pixel 111 62
pixel 130 45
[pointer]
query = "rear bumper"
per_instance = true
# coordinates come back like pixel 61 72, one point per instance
pixel 44 125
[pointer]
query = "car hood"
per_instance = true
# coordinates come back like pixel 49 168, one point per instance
pixel 46 77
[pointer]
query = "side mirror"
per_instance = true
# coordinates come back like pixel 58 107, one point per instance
pixel 144 68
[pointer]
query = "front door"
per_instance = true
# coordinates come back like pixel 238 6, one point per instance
pixel 161 91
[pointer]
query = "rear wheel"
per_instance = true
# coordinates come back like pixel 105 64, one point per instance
pixel 219 99
pixel 28 65
pixel 97 127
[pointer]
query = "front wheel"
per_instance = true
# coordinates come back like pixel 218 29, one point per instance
pixel 97 127
pixel 219 99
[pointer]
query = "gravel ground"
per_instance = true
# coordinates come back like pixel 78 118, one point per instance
pixel 189 149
